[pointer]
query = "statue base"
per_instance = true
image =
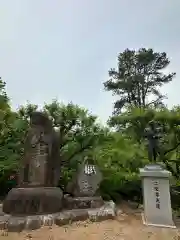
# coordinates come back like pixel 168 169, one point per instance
pixel 33 201
pixel 82 202
pixel 9 223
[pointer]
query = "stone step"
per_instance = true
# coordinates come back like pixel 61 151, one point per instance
pixel 82 202
pixel 10 223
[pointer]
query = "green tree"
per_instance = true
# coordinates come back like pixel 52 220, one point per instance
pixel 120 159
pixel 132 124
pixel 7 117
pixel 4 100
pixel 11 135
pixel 79 132
pixel 138 76
pixel 24 112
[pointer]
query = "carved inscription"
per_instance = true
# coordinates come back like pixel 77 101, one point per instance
pixel 38 164
pixel 156 193
pixel 27 206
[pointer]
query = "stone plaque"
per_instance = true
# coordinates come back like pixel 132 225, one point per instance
pixel 37 170
pixel 157 202
pixel 89 179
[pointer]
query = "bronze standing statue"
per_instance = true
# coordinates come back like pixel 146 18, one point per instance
pixel 153 136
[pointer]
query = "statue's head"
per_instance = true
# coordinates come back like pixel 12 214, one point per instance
pixel 40 119
pixel 152 124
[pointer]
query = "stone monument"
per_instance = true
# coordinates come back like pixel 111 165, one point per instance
pixel 39 171
pixel 36 201
pixel 156 193
pixel 84 188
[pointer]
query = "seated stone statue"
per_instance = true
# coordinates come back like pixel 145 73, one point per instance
pixel 41 162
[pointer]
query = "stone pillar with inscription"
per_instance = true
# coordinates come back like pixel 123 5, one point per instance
pixel 156 194
pixel 37 191
pixel 83 190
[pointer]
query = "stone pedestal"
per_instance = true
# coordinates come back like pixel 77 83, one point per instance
pixel 82 202
pixel 10 223
pixel 33 200
pixel 157 203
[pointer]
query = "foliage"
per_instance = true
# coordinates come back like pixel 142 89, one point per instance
pixel 120 160
pixel 138 76
pixel 133 123
pixel 119 149
pixel 79 134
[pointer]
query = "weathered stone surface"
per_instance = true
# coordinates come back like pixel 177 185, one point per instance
pixel 63 219
pixel 110 205
pixel 85 182
pixel 4 221
pixel 41 161
pixel 1 211
pixel 48 220
pixel 28 201
pixel 33 223
pixel 82 202
pixel 108 211
pixel 78 215
pixel 16 224
pixel 39 173
pixel 89 179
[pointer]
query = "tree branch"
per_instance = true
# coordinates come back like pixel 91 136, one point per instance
pixel 81 149
pixel 171 149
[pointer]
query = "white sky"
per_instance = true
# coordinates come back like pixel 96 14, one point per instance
pixel 64 48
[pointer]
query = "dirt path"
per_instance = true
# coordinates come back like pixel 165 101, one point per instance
pixel 127 226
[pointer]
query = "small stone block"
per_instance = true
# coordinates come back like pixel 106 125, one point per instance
pixel 62 219
pixel 4 222
pixel 82 202
pixel 108 211
pixel 97 216
pixel 16 224
pixel 79 215
pixel 47 220
pixel 33 223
